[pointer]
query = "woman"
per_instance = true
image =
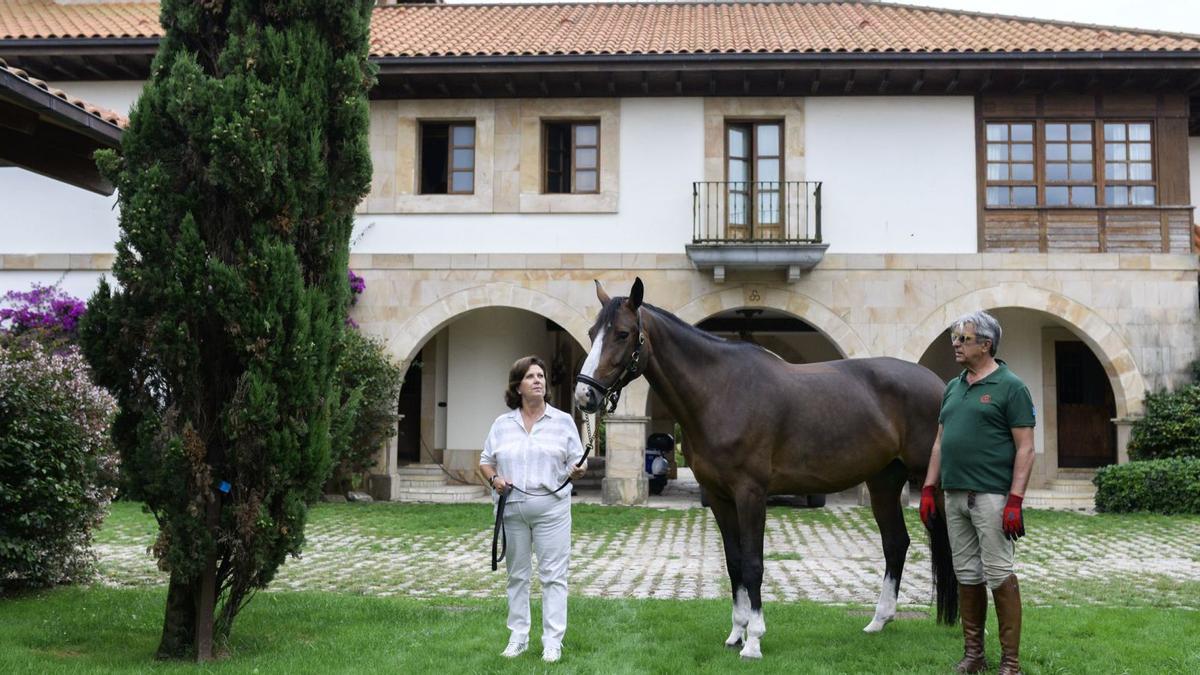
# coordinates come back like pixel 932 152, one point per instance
pixel 528 453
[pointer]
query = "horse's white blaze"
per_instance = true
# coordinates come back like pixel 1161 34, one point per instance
pixel 589 368
pixel 755 629
pixel 741 617
pixel 885 610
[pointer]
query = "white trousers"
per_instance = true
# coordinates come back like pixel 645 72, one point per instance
pixel 541 524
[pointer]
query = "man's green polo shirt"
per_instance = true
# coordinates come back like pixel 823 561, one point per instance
pixel 977 422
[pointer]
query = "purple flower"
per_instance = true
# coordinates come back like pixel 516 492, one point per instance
pixel 45 311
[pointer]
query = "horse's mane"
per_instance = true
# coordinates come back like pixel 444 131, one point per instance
pixel 609 312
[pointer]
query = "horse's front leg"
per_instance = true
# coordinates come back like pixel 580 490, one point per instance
pixel 727 522
pixel 752 523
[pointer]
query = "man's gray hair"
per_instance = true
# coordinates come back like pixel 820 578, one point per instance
pixel 986 328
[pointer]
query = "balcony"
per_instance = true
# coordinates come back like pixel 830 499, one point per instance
pixel 739 225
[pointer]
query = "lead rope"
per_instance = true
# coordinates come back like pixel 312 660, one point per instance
pixel 498 533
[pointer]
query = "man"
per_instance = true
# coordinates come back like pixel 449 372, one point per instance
pixel 982 457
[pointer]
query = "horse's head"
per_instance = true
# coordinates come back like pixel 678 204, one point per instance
pixel 616 357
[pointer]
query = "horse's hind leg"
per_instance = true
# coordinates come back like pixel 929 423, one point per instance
pixel 885 491
pixel 726 515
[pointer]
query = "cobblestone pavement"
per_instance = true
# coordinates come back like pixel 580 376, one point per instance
pixel 830 555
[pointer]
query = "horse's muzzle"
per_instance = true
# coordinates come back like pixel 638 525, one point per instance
pixel 587 398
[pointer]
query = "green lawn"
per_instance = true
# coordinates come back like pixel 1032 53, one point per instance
pixel 1079 624
pixel 109 630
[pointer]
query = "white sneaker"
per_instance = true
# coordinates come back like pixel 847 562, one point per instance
pixel 551 654
pixel 514 649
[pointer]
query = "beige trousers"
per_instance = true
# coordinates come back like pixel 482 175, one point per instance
pixel 980 550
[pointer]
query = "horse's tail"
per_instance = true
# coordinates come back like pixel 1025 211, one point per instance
pixel 945 583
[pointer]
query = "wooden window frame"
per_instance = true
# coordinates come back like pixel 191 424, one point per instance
pixel 751 160
pixel 1102 192
pixel 1099 177
pixel 447 173
pixel 1044 163
pixel 1035 182
pixel 574 125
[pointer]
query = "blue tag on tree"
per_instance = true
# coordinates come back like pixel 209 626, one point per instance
pixel 224 486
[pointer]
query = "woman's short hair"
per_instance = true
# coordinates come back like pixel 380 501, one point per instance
pixel 512 398
pixel 986 327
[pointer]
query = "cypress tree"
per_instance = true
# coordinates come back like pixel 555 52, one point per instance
pixel 244 159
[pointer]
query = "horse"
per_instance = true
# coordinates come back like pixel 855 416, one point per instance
pixel 755 425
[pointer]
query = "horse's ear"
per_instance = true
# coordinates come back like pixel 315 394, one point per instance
pixel 601 295
pixel 635 293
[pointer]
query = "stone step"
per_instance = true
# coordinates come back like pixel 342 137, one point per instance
pixel 445 494
pixel 1047 499
pixel 420 470
pixel 430 482
pixel 1072 487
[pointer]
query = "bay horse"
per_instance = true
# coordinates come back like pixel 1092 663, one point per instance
pixel 755 425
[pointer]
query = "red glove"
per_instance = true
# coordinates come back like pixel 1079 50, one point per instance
pixel 1011 521
pixel 928 506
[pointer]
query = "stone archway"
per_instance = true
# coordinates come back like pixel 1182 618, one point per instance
pixel 408 338
pixel 1128 385
pixel 820 317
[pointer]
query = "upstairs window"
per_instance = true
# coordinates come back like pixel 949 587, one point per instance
pixel 1069 164
pixel 447 158
pixel 572 159
pixel 1010 176
pixel 1128 164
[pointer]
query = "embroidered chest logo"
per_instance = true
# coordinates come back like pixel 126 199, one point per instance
pixel 986 398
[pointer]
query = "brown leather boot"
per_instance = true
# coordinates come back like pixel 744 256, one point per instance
pixel 972 609
pixel 1008 612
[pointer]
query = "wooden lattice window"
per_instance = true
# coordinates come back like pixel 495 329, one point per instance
pixel 1069 164
pixel 1010 164
pixel 1129 164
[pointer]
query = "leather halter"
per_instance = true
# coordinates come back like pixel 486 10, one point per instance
pixel 612 394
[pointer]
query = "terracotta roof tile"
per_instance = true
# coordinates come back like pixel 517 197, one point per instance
pixel 648 28
pixel 728 28
pixel 31 19
pixel 112 117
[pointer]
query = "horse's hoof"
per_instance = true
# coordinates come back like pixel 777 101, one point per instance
pixel 876 625
pixel 748 655
pixel 734 645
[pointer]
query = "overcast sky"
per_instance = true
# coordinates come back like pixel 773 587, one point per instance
pixel 1168 15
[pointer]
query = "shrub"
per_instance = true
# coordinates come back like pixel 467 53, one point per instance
pixel 44 314
pixel 1171 427
pixel 1167 486
pixel 370 385
pixel 57 465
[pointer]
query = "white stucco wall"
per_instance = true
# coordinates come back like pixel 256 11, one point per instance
pixel 661 154
pixel 42 215
pixel 482 346
pixel 1021 349
pixel 898 173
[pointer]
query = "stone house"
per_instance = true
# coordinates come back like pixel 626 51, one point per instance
pixel 829 179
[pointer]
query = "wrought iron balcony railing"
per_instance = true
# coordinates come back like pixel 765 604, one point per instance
pixel 767 212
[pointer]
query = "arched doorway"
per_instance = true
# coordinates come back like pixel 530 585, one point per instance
pixel 1073 394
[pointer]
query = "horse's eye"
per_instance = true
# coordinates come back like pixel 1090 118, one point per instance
pixel 622 334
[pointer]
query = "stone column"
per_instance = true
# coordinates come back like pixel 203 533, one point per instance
pixel 384 485
pixel 625 476
pixel 1124 430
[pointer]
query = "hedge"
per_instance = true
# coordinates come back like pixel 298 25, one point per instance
pixel 1168 486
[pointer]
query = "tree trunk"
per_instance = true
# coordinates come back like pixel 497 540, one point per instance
pixel 179 625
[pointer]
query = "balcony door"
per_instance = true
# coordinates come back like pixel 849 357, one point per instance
pixel 753 174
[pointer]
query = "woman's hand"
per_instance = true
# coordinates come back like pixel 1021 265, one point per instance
pixel 578 471
pixel 499 484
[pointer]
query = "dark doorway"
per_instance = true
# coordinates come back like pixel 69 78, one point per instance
pixel 1086 435
pixel 408 437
